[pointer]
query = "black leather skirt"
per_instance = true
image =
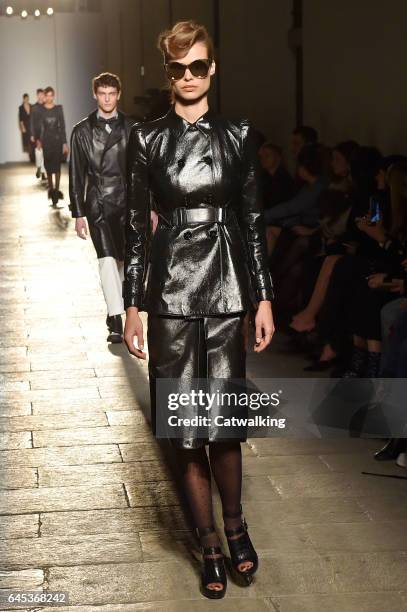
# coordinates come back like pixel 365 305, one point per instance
pixel 182 350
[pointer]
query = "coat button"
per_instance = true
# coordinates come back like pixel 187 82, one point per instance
pixel 212 233
pixel 188 235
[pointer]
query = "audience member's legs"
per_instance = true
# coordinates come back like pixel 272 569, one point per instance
pixel 272 234
pixel 389 315
pixel 305 320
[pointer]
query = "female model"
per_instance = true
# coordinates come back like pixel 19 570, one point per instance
pixel 207 269
pixel 53 142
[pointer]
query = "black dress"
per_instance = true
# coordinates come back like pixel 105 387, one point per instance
pixel 52 137
pixel 206 264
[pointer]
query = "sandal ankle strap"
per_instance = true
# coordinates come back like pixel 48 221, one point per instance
pixel 204 531
pixel 233 514
pixel 235 531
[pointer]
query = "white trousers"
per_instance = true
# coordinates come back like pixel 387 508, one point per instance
pixel 39 159
pixel 111 274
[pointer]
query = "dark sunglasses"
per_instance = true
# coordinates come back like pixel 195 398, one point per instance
pixel 199 69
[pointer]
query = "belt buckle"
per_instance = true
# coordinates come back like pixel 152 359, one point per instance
pixel 203 215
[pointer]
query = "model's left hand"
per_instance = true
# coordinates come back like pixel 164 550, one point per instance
pixel 264 326
pixel 65 149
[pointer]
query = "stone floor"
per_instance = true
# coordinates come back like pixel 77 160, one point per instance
pixel 89 504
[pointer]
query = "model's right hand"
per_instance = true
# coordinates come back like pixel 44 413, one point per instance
pixel 134 328
pixel 81 227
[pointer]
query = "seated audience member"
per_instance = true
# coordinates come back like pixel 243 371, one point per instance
pixel 394 365
pixel 301 136
pixel 335 209
pixel 361 256
pixel 278 184
pixel 302 209
pixel 385 284
pixel 340 165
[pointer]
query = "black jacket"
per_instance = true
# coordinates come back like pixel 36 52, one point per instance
pixel 97 180
pixel 202 269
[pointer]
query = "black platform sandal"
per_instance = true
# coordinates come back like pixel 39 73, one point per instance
pixel 241 549
pixel 213 567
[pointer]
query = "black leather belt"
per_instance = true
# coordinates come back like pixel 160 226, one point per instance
pixel 207 214
pixel 105 181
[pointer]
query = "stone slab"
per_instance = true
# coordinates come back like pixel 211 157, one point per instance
pixel 81 550
pixel 62 498
pixel 347 602
pixel 10 441
pixel 126 520
pixel 336 485
pixel 87 436
pixel 19 526
pixel 142 471
pixel 48 422
pixel 75 455
pixel 16 478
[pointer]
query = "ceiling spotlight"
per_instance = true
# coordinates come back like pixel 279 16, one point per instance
pixel 50 11
pixel 9 10
pixel 24 14
pixel 37 13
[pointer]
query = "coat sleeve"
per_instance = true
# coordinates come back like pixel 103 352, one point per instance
pixel 34 121
pixel 137 219
pixel 251 219
pixel 78 167
pixel 62 124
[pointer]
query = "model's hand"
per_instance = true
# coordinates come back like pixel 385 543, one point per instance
pixel 32 139
pixel 65 149
pixel 264 326
pixel 134 328
pixel 81 227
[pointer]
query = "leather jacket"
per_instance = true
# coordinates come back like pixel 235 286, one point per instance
pixel 206 268
pixel 97 180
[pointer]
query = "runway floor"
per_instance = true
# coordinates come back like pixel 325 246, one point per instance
pixel 88 503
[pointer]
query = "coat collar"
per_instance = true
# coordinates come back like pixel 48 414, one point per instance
pixel 204 124
pixel 93 118
pixel 115 136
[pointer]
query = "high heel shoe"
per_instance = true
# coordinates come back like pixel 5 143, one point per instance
pixel 241 549
pixel 390 450
pixel 213 567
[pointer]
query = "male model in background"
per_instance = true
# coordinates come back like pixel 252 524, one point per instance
pixel 97 190
pixel 35 133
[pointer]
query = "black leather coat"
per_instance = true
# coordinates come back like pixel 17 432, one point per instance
pixel 98 167
pixel 203 269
